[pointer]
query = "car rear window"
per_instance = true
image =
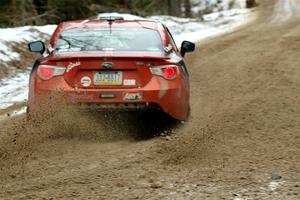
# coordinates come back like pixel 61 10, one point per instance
pixel 106 39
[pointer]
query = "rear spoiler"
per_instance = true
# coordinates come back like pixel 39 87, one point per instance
pixel 98 55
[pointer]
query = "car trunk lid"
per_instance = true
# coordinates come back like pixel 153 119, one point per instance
pixel 92 70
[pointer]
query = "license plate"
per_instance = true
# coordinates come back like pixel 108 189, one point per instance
pixel 108 78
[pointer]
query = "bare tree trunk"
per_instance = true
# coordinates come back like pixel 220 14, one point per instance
pixel 174 7
pixel 14 10
pixel 251 3
pixel 23 12
pixel 179 10
pixel 164 6
pixel 187 8
pixel 170 7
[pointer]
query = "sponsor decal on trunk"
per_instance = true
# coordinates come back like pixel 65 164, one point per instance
pixel 107 65
pixel 86 81
pixel 133 96
pixel 129 82
pixel 72 65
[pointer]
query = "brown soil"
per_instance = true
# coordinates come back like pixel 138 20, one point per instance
pixel 242 140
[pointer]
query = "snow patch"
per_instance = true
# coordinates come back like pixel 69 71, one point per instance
pixel 237 198
pixel 216 5
pixel 14 90
pixel 274 185
pixel 14 113
pixel 9 36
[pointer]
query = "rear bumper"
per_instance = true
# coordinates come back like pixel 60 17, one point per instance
pixel 170 96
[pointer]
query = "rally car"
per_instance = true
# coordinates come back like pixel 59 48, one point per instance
pixel 112 64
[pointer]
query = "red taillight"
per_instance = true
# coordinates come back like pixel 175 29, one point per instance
pixel 169 72
pixel 46 73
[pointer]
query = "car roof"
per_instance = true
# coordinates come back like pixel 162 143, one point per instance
pixel 119 23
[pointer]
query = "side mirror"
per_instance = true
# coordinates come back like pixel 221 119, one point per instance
pixel 37 47
pixel 187 47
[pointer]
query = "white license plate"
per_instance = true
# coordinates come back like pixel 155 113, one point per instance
pixel 108 78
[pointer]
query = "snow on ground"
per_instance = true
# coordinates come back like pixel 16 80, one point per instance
pixel 193 29
pixel 15 89
pixel 19 35
pixel 216 5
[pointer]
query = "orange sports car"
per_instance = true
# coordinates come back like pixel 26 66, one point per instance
pixel 113 64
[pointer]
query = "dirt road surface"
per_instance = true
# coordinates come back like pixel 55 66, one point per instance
pixel 241 142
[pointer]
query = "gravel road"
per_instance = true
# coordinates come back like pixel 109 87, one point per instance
pixel 241 142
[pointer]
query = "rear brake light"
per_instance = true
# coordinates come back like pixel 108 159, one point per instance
pixel 46 72
pixel 168 72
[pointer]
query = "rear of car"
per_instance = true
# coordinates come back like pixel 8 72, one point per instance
pixel 113 65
